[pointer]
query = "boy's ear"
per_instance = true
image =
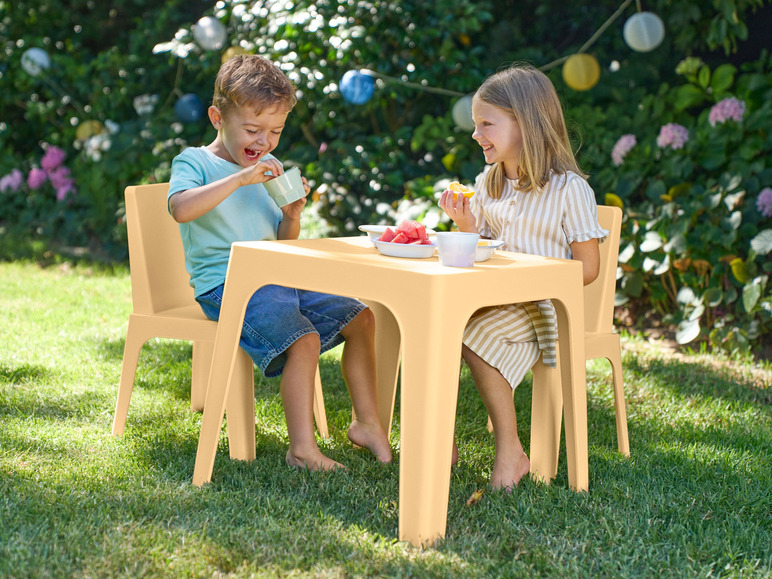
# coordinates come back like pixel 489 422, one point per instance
pixel 215 117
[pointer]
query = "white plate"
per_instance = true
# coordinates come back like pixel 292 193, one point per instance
pixel 486 248
pixel 375 231
pixel 405 249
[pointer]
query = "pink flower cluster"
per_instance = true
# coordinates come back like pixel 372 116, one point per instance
pixel 764 202
pixel 727 109
pixel 621 148
pixel 672 135
pixel 51 169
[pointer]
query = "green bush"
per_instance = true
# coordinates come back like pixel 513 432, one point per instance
pixel 697 239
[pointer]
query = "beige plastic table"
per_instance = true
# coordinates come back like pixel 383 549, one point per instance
pixel 421 309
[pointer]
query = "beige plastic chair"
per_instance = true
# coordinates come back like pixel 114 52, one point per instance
pixel 164 307
pixel 600 342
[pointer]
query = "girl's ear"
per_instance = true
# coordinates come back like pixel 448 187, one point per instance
pixel 215 117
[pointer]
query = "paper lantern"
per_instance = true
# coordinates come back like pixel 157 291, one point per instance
pixel 356 88
pixel 35 60
pixel 643 31
pixel 462 113
pixel 581 71
pixel 210 33
pixel 189 108
pixel 232 51
pixel 89 129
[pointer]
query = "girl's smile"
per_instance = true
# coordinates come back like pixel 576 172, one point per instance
pixel 499 135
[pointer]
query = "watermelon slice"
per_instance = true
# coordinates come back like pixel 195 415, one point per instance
pixel 387 235
pixel 400 238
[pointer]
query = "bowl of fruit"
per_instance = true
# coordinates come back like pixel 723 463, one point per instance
pixel 408 239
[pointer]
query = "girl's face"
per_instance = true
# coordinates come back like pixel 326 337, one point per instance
pixel 498 134
pixel 244 136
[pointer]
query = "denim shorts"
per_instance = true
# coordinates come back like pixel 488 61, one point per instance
pixel 276 316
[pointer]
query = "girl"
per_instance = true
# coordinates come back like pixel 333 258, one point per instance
pixel 533 196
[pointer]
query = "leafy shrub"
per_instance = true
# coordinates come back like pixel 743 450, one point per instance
pixel 697 236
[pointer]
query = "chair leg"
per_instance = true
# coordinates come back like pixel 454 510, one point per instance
pixel 546 415
pixel 240 409
pixel 623 441
pixel 320 415
pixel 202 361
pixel 131 352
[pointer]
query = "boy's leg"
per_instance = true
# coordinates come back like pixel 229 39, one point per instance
pixel 511 463
pixel 358 368
pixel 297 394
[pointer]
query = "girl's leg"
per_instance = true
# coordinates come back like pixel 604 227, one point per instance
pixel 297 394
pixel 511 463
pixel 358 368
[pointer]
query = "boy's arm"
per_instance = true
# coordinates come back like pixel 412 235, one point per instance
pixel 193 203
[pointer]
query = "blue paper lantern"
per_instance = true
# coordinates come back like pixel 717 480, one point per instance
pixel 189 108
pixel 357 88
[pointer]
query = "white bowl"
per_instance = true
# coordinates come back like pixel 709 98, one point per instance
pixel 412 250
pixel 375 231
pixel 486 248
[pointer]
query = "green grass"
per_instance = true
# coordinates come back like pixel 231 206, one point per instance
pixel 695 498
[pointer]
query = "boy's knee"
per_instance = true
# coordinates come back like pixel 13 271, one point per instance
pixel 363 323
pixel 306 345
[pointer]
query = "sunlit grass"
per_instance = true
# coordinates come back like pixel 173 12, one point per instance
pixel 694 499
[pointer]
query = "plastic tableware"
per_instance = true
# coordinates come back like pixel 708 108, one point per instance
pixel 375 231
pixel 457 248
pixel 486 248
pixel 286 188
pixel 412 250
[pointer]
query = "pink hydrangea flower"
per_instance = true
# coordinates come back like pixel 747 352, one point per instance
pixel 727 109
pixel 52 158
pixel 621 148
pixel 672 135
pixel 764 202
pixel 62 182
pixel 36 178
pixel 12 181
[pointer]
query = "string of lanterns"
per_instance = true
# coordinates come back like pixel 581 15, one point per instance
pixel 643 32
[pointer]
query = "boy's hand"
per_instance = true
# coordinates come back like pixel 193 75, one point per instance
pixel 459 211
pixel 257 173
pixel 293 210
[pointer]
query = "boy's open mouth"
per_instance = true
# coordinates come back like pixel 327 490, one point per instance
pixel 252 154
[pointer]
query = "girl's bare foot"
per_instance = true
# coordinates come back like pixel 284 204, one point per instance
pixel 454 456
pixel 372 437
pixel 312 461
pixel 507 473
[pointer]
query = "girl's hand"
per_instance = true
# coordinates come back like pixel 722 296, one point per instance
pixel 459 211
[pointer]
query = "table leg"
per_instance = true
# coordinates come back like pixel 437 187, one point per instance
pixel 430 374
pixel 224 369
pixel 570 312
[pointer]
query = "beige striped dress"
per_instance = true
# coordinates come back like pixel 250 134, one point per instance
pixel 511 337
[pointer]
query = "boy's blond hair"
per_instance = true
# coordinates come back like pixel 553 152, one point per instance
pixel 253 81
pixel 528 96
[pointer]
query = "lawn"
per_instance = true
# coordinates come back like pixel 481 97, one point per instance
pixel 694 499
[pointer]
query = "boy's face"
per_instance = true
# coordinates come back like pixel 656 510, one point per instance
pixel 244 136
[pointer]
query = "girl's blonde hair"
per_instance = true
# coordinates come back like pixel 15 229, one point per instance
pixel 528 96
pixel 253 81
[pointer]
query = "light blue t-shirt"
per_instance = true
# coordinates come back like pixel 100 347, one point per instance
pixel 247 214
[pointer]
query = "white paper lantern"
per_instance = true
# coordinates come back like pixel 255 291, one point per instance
pixel 462 113
pixel 643 31
pixel 210 33
pixel 35 60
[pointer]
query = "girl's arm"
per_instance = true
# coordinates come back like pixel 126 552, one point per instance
pixel 588 253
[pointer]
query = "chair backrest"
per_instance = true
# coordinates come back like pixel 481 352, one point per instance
pixel 599 295
pixel 159 280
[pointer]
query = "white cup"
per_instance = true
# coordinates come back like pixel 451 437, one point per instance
pixel 286 188
pixel 456 248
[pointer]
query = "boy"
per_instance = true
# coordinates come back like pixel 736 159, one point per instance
pixel 217 196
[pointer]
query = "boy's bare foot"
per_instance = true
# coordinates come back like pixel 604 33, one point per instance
pixel 312 461
pixel 507 473
pixel 372 437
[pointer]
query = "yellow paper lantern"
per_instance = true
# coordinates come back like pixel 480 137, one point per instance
pixel 581 71
pixel 232 51
pixel 88 129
